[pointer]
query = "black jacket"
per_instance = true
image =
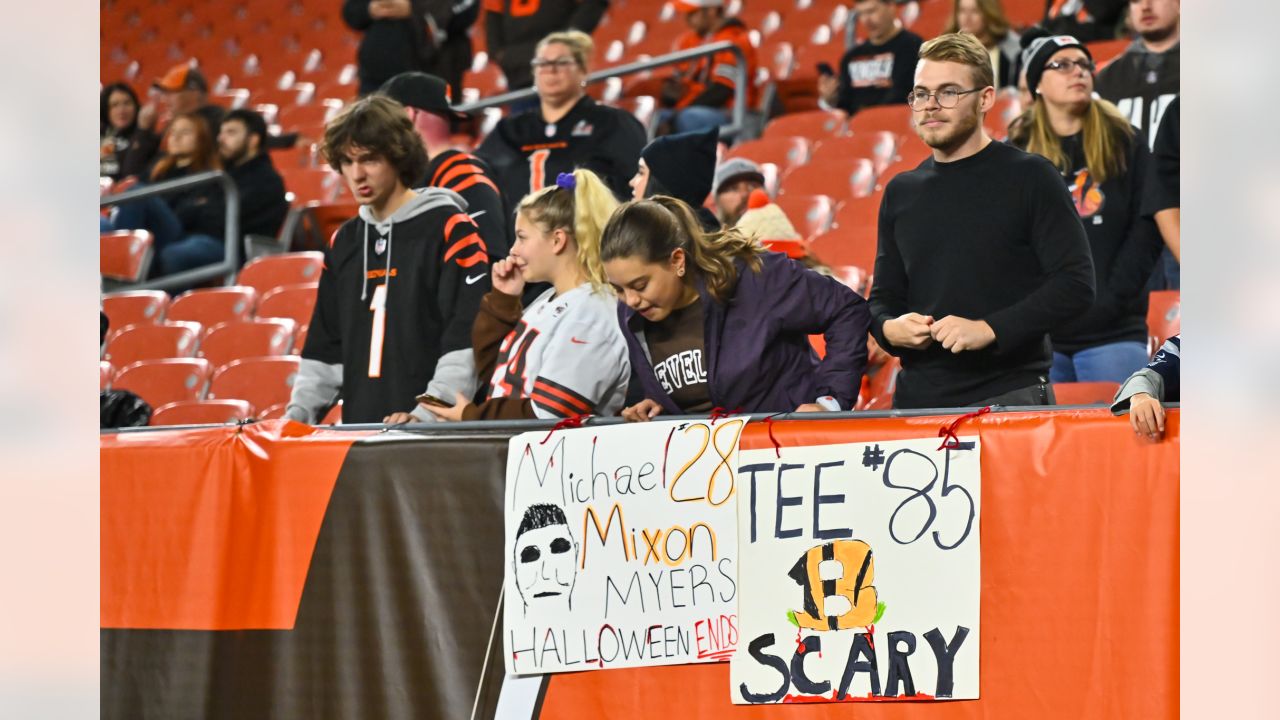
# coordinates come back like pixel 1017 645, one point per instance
pixel 513 36
pixel 262 202
pixel 390 47
pixel 201 210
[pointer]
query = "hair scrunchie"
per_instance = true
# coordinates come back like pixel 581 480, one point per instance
pixel 566 181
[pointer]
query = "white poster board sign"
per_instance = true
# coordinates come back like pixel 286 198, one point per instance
pixel 860 572
pixel 621 546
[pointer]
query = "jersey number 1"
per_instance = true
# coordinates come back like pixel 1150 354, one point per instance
pixel 376 337
pixel 538 169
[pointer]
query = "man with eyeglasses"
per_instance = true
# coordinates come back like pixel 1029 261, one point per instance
pixel 981 251
pixel 566 130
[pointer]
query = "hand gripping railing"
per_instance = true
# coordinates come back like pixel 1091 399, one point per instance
pixel 739 90
pixel 226 268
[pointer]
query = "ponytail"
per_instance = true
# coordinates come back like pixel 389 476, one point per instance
pixel 652 229
pixel 581 212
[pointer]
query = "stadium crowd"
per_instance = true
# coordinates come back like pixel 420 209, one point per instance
pixel 584 258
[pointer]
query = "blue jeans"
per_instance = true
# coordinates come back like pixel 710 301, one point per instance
pixel 1113 362
pixel 694 117
pixel 175 250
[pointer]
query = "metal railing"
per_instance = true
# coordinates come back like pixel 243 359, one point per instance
pixel 739 90
pixel 224 270
pixel 484 428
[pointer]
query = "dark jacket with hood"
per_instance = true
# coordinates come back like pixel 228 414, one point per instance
pixel 757 350
pixel 512 33
pixel 262 201
pixel 684 167
pixel 418 42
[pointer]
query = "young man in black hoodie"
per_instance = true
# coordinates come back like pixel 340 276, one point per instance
pixel 242 147
pixel 878 71
pixel 981 252
pixel 401 282
pixel 681 166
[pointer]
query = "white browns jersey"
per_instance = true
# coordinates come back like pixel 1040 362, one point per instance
pixel 567 355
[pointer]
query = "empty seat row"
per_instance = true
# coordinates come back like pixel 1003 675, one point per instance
pixel 210 306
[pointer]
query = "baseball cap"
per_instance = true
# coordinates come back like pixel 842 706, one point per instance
pixel 422 91
pixel 736 169
pixel 688 6
pixel 1037 54
pixel 182 77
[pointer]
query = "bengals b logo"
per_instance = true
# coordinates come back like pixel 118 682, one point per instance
pixel 1086 194
pixel 838 593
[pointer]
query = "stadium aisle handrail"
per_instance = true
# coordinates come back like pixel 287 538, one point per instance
pixel 739 90
pixel 226 269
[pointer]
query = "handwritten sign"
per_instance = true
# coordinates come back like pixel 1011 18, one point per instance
pixel 622 546
pixel 860 573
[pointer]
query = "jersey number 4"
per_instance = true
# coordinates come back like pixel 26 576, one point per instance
pixel 514 354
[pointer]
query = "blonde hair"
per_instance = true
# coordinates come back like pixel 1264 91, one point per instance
pixel 1107 134
pixel 993 19
pixel 581 213
pixel 965 49
pixel 579 43
pixel 654 228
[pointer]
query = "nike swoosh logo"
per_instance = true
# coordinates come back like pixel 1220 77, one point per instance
pixel 477 214
pixel 472 279
pixel 576 340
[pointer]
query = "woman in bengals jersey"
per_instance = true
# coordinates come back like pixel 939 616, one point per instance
pixel 1104 161
pixel 565 355
pixel 714 321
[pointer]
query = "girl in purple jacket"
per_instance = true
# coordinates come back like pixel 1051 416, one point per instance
pixel 712 321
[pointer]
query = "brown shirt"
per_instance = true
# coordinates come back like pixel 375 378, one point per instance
pixel 676 347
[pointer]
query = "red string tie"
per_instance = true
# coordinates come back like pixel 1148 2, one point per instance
pixel 948 432
pixel 568 423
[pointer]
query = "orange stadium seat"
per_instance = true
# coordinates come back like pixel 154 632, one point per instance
pixel 893 118
pixel 852 239
pixel 1085 393
pixel 929 18
pixel 312 184
pixel 814 125
pixel 245 339
pixel 202 412
pixel 275 412
pixel 105 373
pixel 210 306
pixel 125 255
pixel 131 307
pixel 1104 51
pixel 857 174
pixel 263 381
pixel 266 273
pixel 161 382
pixel 810 214
pixel 880 146
pixel 295 302
pixel 1164 317
pixel 152 342
pixel 785 152
pixel 880 386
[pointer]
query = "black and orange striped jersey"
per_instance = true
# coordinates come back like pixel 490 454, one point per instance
pixel 527 153
pixel 471 178
pixel 395 306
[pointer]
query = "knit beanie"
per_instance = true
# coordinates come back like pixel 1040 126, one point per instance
pixel 767 222
pixel 1037 54
pixel 683 165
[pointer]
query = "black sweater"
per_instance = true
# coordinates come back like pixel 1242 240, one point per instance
pixel 1124 246
pixel 263 206
pixel 991 237
pixel 878 74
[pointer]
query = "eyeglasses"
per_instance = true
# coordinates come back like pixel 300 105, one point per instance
pixel 1067 66
pixel 947 97
pixel 557 64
